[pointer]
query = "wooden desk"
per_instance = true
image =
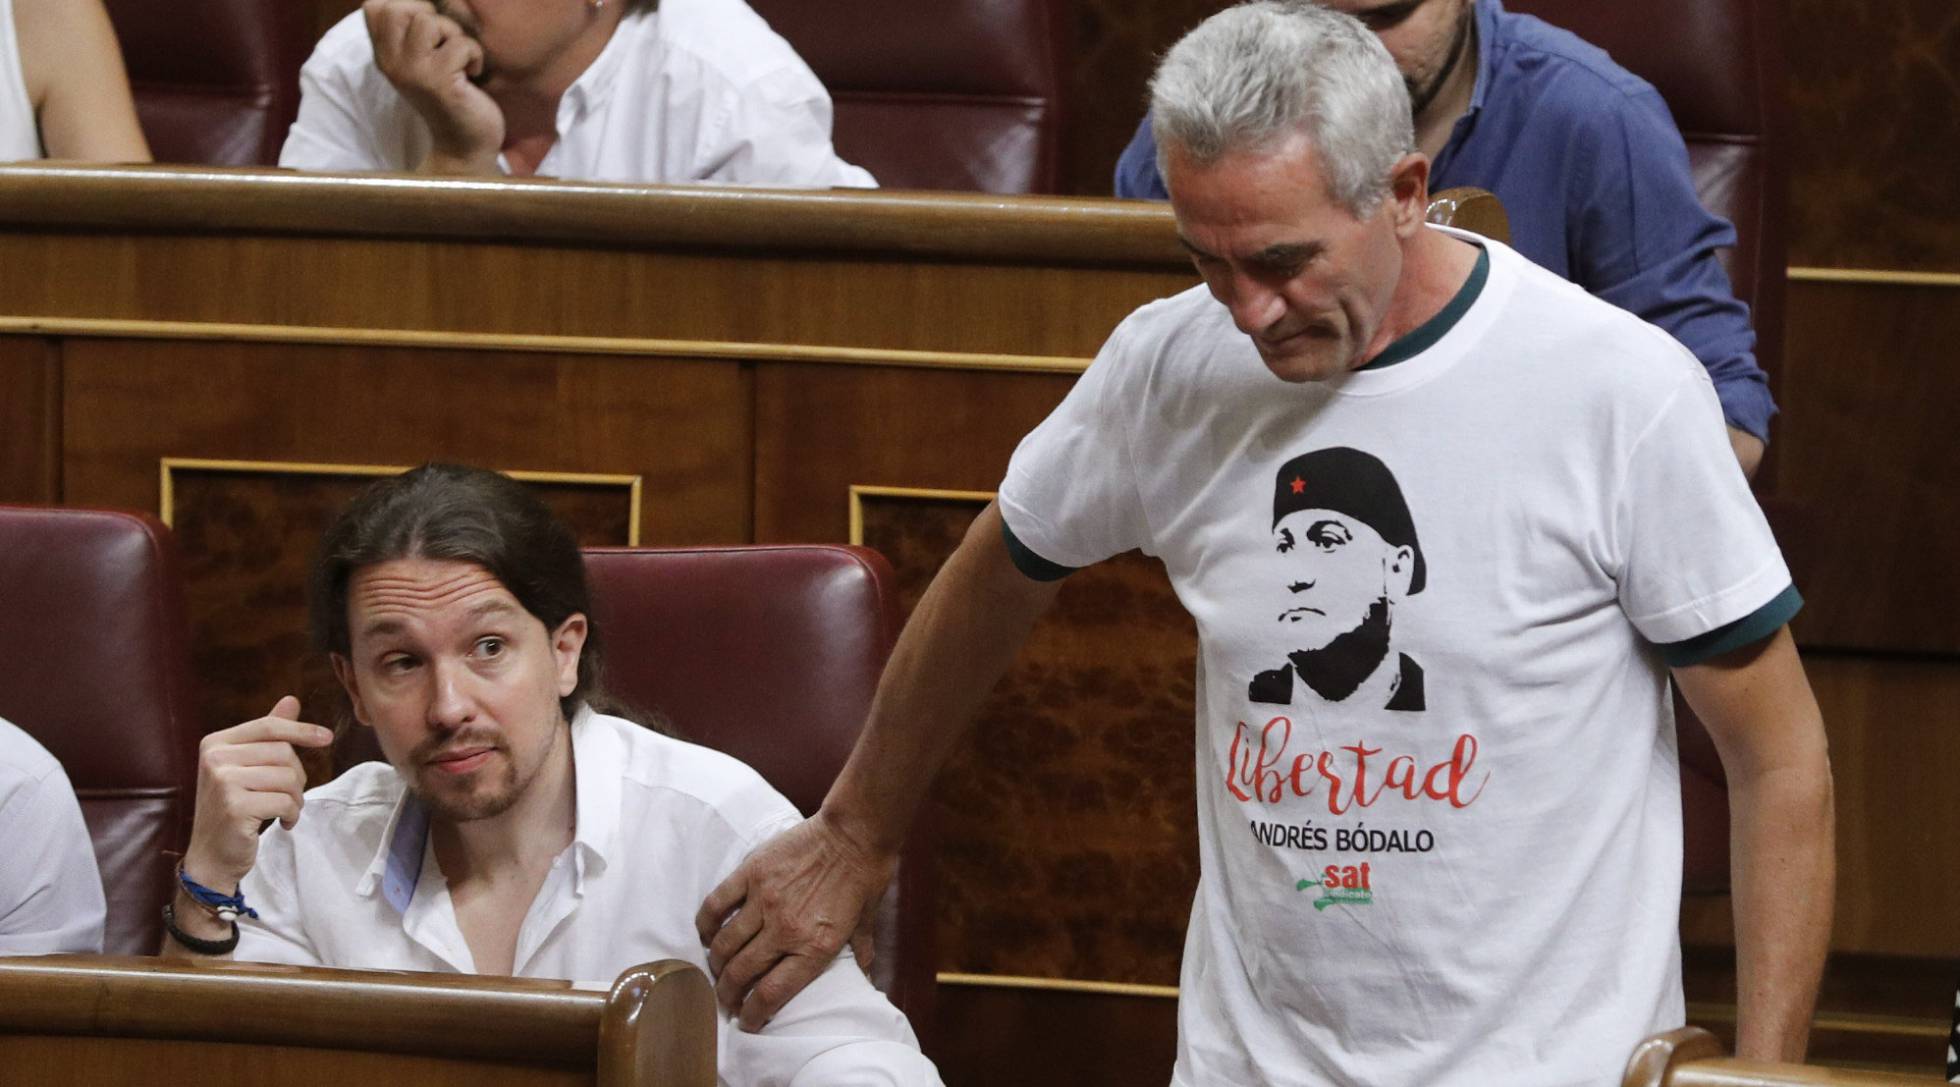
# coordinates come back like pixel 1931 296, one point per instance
pixel 95 1021
pixel 1691 1057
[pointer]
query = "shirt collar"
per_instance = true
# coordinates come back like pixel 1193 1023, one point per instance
pixel 594 85
pixel 597 755
pixel 1488 13
pixel 1424 336
pixel 598 760
pixel 397 863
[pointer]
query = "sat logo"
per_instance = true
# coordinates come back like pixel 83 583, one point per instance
pixel 1341 885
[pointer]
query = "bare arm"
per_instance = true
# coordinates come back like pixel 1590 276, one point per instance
pixel 1748 451
pixel 798 898
pixel 75 78
pixel 1758 708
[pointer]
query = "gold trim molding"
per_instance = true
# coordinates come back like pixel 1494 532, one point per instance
pixel 862 491
pixel 104 328
pixel 1058 985
pixel 169 465
pixel 1834 1022
pixel 1883 276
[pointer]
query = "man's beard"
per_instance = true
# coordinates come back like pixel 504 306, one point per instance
pixel 1420 97
pixel 1336 669
pixel 479 802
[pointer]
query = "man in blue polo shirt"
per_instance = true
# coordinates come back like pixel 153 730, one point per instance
pixel 1587 161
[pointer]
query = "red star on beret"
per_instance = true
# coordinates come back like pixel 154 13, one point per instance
pixel 1299 485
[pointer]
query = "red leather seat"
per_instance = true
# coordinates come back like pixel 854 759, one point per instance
pixel 771 654
pixel 97 652
pixel 216 81
pixel 1719 65
pixel 938 94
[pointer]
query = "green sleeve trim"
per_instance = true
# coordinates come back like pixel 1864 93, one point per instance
pixel 1748 630
pixel 1029 563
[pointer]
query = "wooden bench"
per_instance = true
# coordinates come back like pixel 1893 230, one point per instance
pixel 96 1021
pixel 1692 1057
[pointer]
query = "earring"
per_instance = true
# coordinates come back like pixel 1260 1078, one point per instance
pixel 598 5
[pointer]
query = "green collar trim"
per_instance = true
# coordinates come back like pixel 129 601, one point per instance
pixel 1432 330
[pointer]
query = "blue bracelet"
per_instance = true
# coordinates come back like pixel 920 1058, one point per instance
pixel 227 907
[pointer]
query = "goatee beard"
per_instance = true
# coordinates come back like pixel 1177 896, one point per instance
pixel 1338 668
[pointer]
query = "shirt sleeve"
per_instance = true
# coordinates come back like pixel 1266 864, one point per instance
pixel 271 889
pixel 1643 241
pixel 1136 170
pixel 837 1030
pixel 1070 498
pixel 331 133
pixel 840 1029
pixel 50 892
pixel 1696 552
pixel 775 131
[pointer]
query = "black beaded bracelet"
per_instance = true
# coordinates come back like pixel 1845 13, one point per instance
pixel 202 947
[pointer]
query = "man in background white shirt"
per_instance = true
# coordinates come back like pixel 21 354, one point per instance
pixel 50 893
pixel 595 90
pixel 513 830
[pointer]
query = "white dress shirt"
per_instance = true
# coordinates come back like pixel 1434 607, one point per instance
pixel 50 893
pixel 695 91
pixel 20 135
pixel 356 884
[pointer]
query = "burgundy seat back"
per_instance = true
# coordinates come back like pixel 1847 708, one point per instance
pixel 770 654
pixel 97 652
pixel 938 94
pixel 216 81
pixel 1719 66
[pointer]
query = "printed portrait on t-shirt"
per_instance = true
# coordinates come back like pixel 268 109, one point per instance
pixel 1345 557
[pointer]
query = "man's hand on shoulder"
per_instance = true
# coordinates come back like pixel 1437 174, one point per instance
pixel 433 61
pixel 246 775
pixel 780 919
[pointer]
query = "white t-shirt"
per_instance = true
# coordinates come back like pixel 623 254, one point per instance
pixel 1439 837
pixel 50 893
pixel 356 885
pixel 20 134
pixel 696 91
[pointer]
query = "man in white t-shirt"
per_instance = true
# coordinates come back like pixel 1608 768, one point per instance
pixel 677 92
pixel 513 829
pixel 1483 888
pixel 50 892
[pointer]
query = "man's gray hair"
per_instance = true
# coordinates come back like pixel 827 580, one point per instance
pixel 1256 73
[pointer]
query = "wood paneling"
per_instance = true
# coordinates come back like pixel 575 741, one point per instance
pixel 1067 847
pixel 30 421
pixel 1866 441
pixel 1032 1038
pixel 822 429
pixel 142 1062
pixel 1877 114
pixel 681 425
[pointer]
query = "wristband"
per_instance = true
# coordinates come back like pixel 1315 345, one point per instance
pixel 202 947
pixel 225 907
